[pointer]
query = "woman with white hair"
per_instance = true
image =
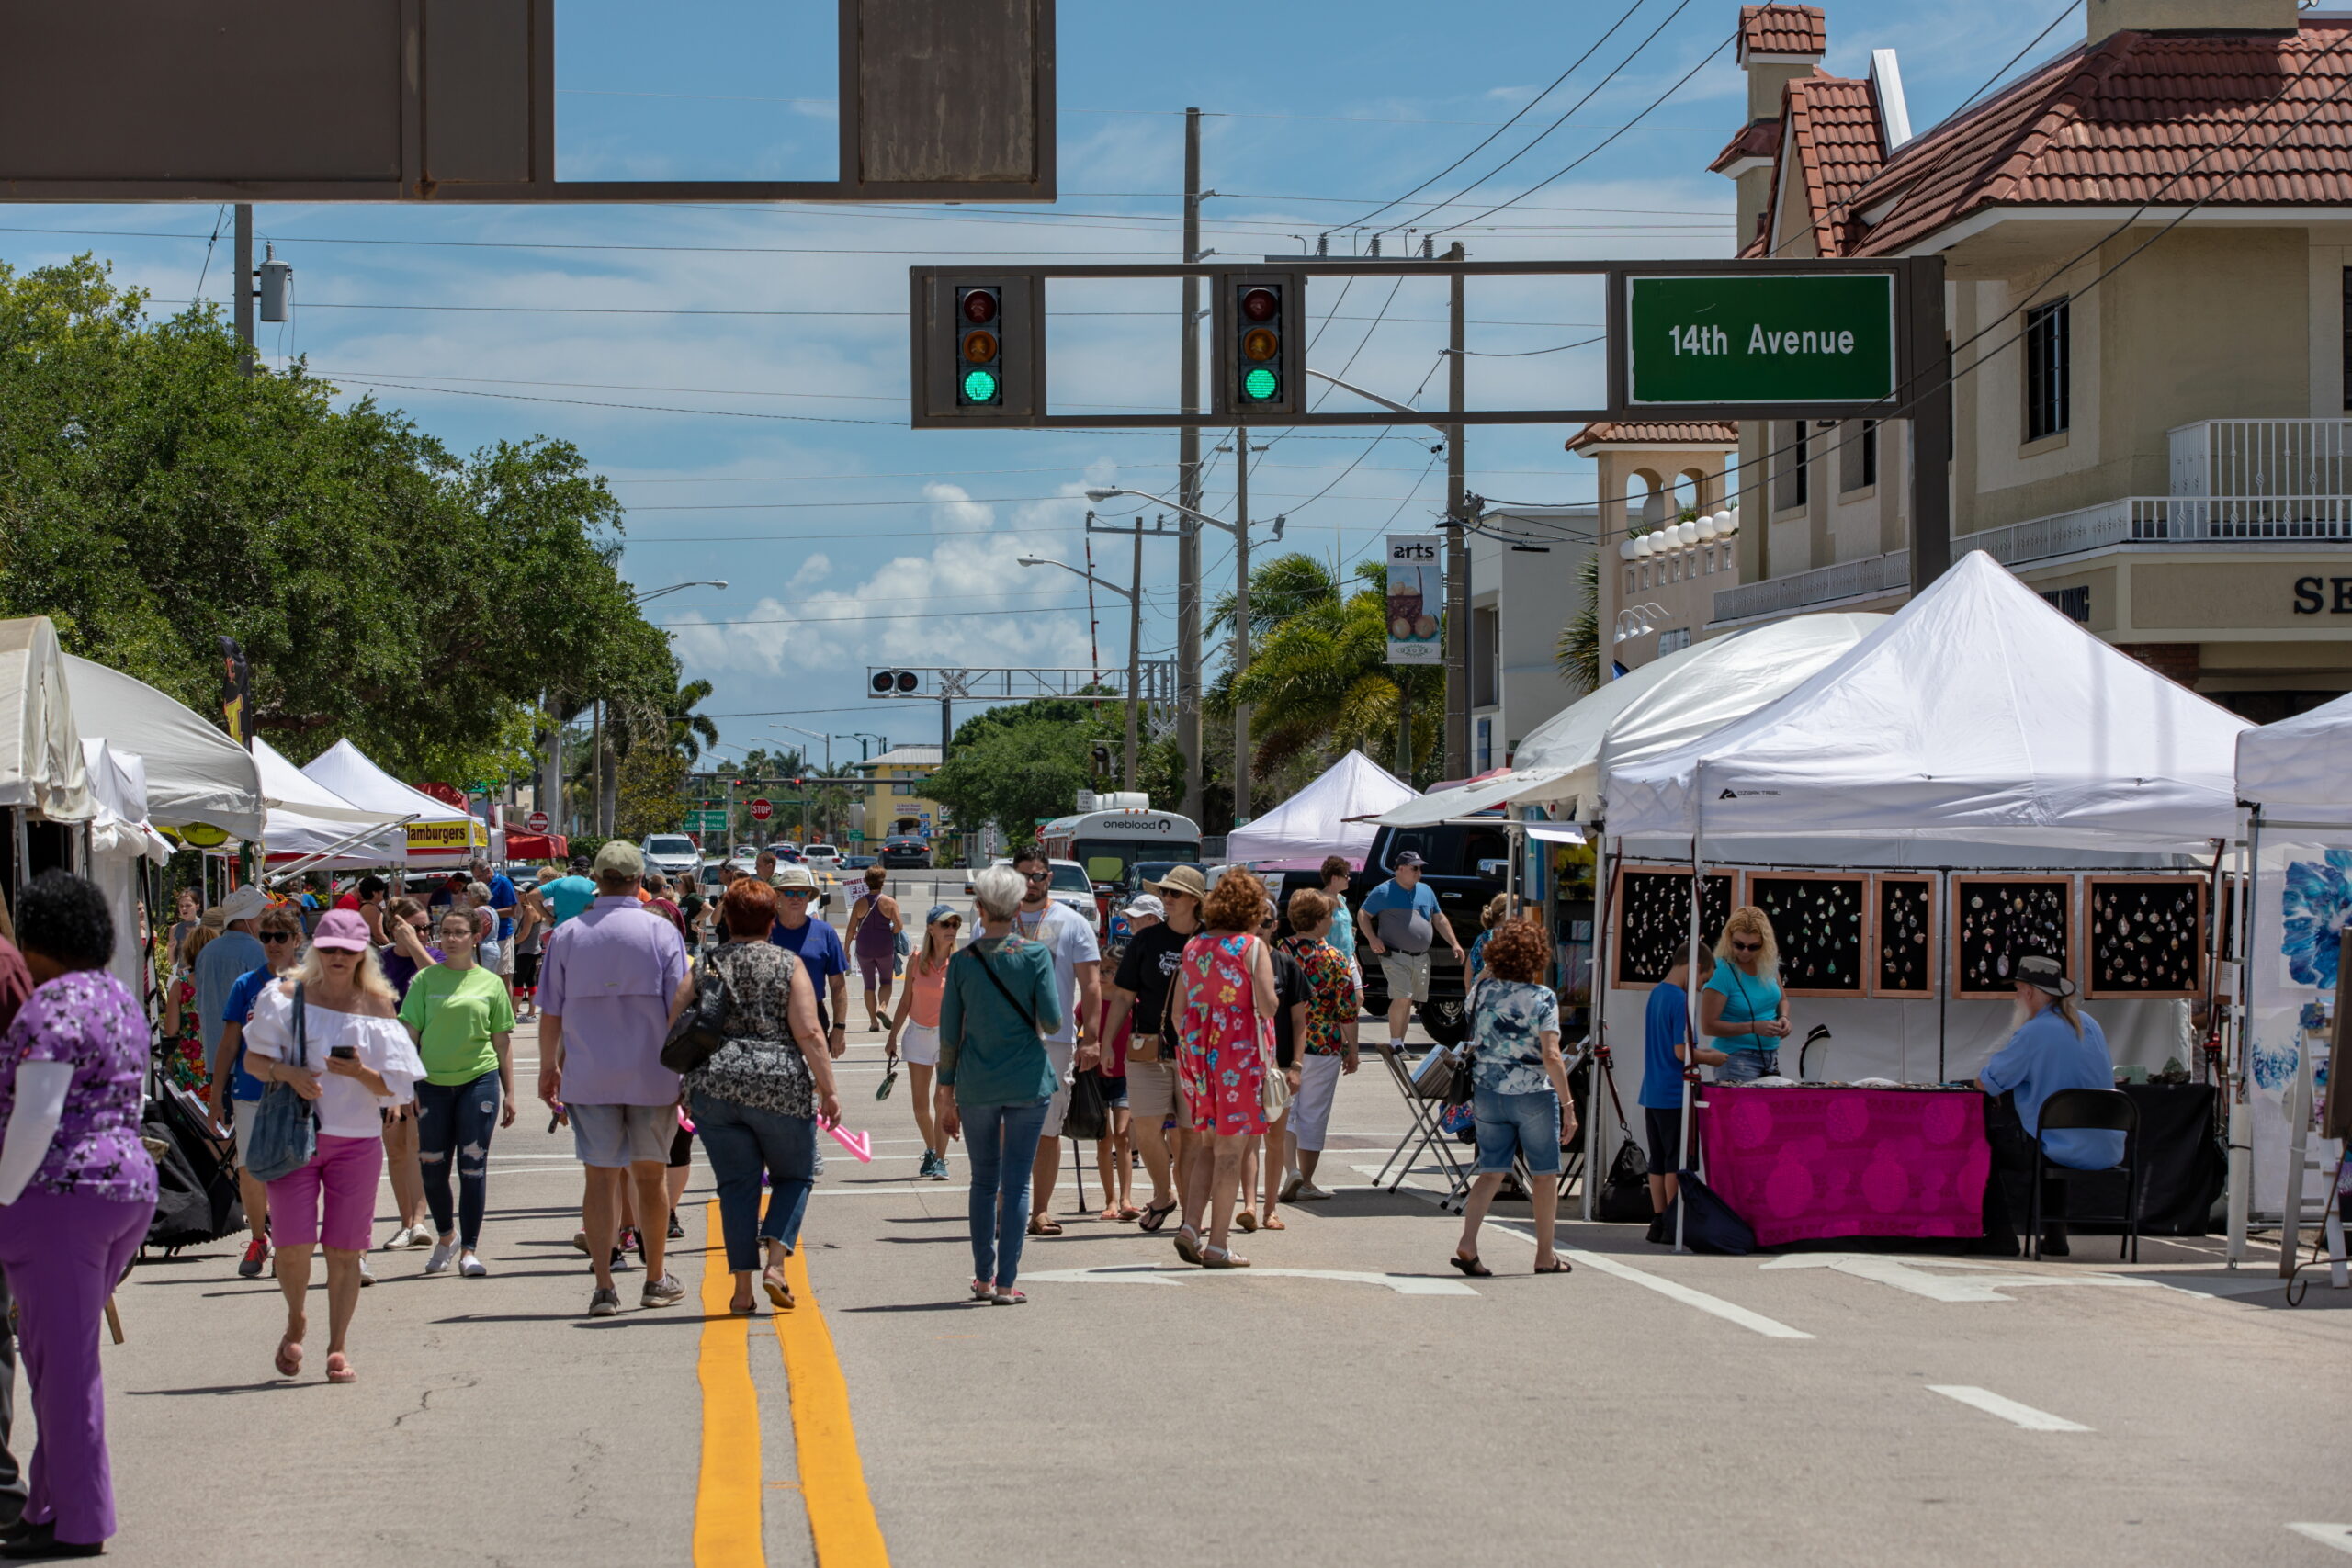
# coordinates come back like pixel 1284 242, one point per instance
pixel 329 1032
pixel 995 1011
pixel 1742 1007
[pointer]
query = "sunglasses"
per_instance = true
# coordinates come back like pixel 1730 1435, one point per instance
pixel 1036 876
pixel 794 892
pixel 1748 947
pixel 278 936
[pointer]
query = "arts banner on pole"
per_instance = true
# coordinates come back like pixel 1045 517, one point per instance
pixel 1416 596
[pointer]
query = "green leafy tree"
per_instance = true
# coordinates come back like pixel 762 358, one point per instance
pixel 1579 652
pixel 1013 773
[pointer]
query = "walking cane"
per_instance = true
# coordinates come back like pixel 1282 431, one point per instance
pixel 114 1320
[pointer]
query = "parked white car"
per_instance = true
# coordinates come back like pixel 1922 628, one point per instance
pixel 671 855
pixel 822 857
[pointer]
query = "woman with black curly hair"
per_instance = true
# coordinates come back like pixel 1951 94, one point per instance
pixel 77 1190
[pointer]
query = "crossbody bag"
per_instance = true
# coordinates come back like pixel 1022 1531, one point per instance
pixel 286 1126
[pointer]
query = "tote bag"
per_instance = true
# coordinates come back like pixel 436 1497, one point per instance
pixel 285 1128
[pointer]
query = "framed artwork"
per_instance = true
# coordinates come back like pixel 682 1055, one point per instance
pixel 2147 937
pixel 1821 923
pixel 1995 918
pixel 1651 922
pixel 1903 935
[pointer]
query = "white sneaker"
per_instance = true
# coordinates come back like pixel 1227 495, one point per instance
pixel 366 1275
pixel 444 1254
pixel 1310 1193
pixel 409 1235
pixel 471 1267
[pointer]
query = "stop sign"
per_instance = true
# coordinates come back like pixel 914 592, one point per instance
pixel 761 811
pixel 536 821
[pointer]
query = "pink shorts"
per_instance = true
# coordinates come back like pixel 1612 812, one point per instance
pixel 341 1178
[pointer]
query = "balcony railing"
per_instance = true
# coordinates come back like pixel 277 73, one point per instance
pixel 1865 578
pixel 2272 460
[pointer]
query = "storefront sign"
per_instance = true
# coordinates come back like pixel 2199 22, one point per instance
pixel 2331 595
pixel 1766 338
pixel 446 838
pixel 1415 599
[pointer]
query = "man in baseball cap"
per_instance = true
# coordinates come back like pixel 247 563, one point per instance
pixel 2057 1046
pixel 1140 990
pixel 1398 919
pixel 819 947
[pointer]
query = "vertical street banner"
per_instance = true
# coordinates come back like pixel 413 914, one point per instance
pixel 1415 599
pixel 236 693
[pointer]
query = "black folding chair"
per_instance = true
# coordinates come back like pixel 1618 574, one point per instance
pixel 2090 1111
pixel 1425 1103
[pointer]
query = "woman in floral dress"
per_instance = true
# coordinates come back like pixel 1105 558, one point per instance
pixel 181 1055
pixel 1223 1001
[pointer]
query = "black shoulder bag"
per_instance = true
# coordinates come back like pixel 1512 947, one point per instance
pixel 701 1030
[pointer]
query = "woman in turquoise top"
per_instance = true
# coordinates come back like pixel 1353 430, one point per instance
pixel 995 1079
pixel 1742 1005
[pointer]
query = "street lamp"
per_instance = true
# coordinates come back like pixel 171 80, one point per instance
pixel 1240 531
pixel 719 583
pixel 1133 596
pixel 1639 621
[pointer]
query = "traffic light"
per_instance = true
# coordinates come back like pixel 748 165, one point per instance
pixel 1261 352
pixel 979 349
pixel 893 682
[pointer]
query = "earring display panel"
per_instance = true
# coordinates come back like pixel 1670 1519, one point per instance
pixel 1998 919
pixel 2147 936
pixel 1903 937
pixel 1820 924
pixel 1654 922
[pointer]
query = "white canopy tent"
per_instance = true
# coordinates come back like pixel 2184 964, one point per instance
pixel 42 766
pixel 1977 712
pixel 1658 708
pixel 434 832
pixel 311 826
pixel 194 772
pixel 2300 770
pixel 121 840
pixel 1323 818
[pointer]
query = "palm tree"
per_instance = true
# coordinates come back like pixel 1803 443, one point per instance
pixel 1579 652
pixel 1321 684
pixel 1280 588
pixel 691 731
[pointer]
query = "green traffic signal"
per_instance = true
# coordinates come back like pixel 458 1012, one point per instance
pixel 979 386
pixel 1261 384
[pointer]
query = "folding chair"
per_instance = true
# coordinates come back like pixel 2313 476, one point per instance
pixel 2089 1109
pixel 1427 1108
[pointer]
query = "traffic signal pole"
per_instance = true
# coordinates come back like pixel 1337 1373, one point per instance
pixel 1457 549
pixel 1188 492
pixel 1241 621
pixel 243 289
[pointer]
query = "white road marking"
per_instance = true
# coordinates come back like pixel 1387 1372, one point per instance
pixel 1158 1274
pixel 2008 1410
pixel 1673 1291
pixel 2336 1536
pixel 1911 1276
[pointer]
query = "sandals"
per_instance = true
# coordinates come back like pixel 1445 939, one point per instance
pixel 1273 1221
pixel 1129 1211
pixel 1010 1298
pixel 1111 1213
pixel 984 1289
pixel 1246 1221
pixel 1558 1266
pixel 1222 1258
pixel 1188 1245
pixel 339 1368
pixel 1153 1218
pixel 289 1361
pixel 742 1309
pixel 1040 1224
pixel 779 1293
pixel 1472 1267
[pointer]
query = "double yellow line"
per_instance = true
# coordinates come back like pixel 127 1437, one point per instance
pixel 729 1496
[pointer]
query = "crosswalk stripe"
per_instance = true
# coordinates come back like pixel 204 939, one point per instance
pixel 2008 1410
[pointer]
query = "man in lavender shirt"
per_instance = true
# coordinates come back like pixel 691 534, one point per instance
pixel 605 989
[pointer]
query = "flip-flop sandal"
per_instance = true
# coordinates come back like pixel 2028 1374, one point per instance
pixel 290 1358
pixel 1470 1267
pixel 742 1309
pixel 1129 1211
pixel 1153 1219
pixel 1113 1213
pixel 1041 1225
pixel 983 1290
pixel 1246 1221
pixel 339 1368
pixel 1559 1265
pixel 779 1293
pixel 1222 1258
pixel 1272 1222
pixel 1188 1243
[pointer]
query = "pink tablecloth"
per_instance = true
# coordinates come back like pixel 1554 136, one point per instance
pixel 1801 1163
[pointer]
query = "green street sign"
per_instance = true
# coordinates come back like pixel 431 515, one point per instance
pixel 705 822
pixel 1765 338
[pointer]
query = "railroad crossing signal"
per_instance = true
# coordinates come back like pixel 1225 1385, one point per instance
pixel 1262 357
pixel 979 349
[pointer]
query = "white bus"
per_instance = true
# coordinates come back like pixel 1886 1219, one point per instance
pixel 1107 844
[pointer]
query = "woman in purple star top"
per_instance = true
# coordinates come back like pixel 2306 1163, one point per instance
pixel 77 1190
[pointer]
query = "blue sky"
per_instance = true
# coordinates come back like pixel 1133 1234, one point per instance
pixel 739 372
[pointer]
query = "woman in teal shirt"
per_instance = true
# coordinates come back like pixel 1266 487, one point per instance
pixel 1742 1005
pixel 995 1079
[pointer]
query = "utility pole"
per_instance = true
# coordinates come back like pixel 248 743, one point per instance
pixel 1457 550
pixel 244 290
pixel 551 770
pixel 1240 622
pixel 1135 651
pixel 1188 492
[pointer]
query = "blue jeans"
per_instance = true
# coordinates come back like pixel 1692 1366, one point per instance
pixel 742 1141
pixel 1744 1065
pixel 456 1120
pixel 1002 1144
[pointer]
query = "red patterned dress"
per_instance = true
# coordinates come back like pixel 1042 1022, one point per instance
pixel 1223 1044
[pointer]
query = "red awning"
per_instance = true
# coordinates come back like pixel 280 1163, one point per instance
pixel 536 846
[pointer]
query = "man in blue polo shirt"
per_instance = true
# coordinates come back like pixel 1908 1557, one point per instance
pixel 568 897
pixel 1665 1028
pixel 820 949
pixel 2057 1046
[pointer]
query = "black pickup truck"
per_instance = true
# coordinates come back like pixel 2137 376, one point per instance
pixel 1466 865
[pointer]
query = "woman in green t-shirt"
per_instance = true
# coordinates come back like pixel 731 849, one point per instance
pixel 462 1019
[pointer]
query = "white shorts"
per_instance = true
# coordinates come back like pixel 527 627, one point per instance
pixel 919 1045
pixel 1063 1053
pixel 1310 1109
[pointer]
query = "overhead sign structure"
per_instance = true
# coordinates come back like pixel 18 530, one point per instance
pixel 1773 338
pixel 1416 596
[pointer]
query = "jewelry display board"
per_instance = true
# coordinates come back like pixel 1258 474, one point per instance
pixel 1996 919
pixel 2147 937
pixel 1653 922
pixel 1903 935
pixel 1821 926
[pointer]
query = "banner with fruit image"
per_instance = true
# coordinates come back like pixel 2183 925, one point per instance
pixel 1415 599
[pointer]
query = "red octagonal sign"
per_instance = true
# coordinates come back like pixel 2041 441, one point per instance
pixel 762 810
pixel 536 821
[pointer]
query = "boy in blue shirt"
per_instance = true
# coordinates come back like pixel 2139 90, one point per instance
pixel 1666 1029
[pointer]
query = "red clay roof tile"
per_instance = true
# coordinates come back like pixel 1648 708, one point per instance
pixel 1655 433
pixel 1782 30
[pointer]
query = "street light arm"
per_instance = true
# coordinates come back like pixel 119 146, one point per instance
pixel 1391 404
pixel 1103 583
pixel 1102 494
pixel 676 587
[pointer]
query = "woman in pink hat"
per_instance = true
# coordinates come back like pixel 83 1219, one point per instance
pixel 353 1061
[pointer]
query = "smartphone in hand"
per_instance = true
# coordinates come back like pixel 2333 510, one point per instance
pixel 348 1053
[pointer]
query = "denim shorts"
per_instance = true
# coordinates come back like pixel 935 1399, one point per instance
pixel 1526 1124
pixel 1747 1066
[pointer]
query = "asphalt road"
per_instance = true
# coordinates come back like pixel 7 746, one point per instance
pixel 1350 1400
